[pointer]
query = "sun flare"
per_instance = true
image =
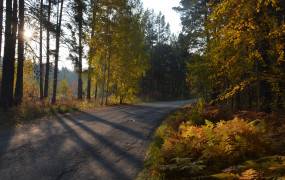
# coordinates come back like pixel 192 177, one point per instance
pixel 28 34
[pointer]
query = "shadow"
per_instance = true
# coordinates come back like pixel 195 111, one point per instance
pixel 141 113
pixel 5 138
pixel 92 118
pixel 114 171
pixel 7 130
pixel 106 142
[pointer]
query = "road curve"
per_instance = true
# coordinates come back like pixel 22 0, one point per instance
pixel 106 143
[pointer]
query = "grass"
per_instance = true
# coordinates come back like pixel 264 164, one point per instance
pixel 204 142
pixel 31 111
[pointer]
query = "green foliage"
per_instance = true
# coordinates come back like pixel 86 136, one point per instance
pixel 195 116
pixel 120 59
pixel 199 71
pixel 64 88
pixel 166 77
pixel 193 28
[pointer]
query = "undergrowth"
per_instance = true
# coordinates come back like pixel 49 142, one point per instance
pixel 193 144
pixel 30 111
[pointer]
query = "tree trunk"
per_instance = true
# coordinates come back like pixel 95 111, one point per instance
pixel 80 24
pixel 58 33
pixel 238 101
pixel 46 87
pixel 9 55
pixel 108 77
pixel 250 98
pixel 96 91
pixel 1 26
pixel 108 58
pixel 89 83
pixel 104 80
pixel 91 52
pixel 21 58
pixel 41 50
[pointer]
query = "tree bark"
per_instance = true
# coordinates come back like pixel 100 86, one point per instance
pixel 21 58
pixel 96 91
pixel 80 50
pixel 58 33
pixel 9 55
pixel 108 76
pixel 89 83
pixel 1 26
pixel 41 50
pixel 104 80
pixel 46 86
pixel 108 57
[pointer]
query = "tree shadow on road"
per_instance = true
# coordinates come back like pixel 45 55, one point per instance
pixel 93 118
pixel 108 165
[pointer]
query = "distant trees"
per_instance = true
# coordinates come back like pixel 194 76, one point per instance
pixel 166 76
pixel 194 16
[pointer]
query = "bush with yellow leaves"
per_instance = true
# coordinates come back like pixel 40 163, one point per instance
pixel 199 150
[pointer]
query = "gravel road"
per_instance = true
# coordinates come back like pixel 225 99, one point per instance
pixel 105 143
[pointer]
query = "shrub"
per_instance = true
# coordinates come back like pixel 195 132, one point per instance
pixel 192 149
pixel 196 114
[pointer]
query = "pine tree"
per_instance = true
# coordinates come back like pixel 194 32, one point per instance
pixel 58 34
pixel 21 57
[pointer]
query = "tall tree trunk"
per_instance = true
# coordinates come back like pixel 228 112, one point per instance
pixel 108 57
pixel 108 76
pixel 104 81
pixel 9 55
pixel 1 26
pixel 96 91
pixel 89 83
pixel 46 87
pixel 41 49
pixel 80 24
pixel 21 58
pixel 58 33
pixel 91 52
pixel 1 31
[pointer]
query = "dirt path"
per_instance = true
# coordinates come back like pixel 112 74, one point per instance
pixel 107 143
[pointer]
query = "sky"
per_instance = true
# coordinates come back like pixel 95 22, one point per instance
pixel 165 6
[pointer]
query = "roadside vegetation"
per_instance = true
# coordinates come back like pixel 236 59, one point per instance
pixel 206 142
pixel 237 67
pixel 30 111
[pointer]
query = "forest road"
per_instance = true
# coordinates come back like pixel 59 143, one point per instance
pixel 105 143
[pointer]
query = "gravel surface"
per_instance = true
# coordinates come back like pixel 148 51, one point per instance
pixel 105 143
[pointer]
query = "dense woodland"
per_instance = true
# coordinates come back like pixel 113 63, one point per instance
pixel 228 52
pixel 119 51
pixel 238 50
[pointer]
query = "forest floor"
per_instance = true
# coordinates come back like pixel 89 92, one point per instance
pixel 103 143
pixel 30 111
pixel 209 142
